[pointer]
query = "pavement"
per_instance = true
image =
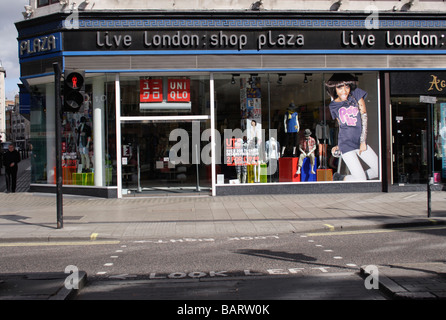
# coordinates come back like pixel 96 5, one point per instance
pixel 31 217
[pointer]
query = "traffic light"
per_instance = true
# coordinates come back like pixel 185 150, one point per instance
pixel 74 89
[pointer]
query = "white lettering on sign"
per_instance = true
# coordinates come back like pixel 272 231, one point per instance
pixel 38 45
pixel 178 90
pixel 151 90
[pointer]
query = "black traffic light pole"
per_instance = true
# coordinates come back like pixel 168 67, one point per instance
pixel 430 176
pixel 58 119
pixel 430 101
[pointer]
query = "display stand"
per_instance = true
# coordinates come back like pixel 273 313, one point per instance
pixel 287 170
pixel 324 175
pixel 306 174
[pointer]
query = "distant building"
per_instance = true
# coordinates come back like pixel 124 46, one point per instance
pixel 2 103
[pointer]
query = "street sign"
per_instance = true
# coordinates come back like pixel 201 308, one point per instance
pixel 428 99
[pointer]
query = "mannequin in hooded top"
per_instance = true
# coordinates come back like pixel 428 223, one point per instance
pixel 291 124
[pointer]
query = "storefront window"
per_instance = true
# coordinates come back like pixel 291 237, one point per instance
pixel 162 142
pixel 88 152
pixel 164 157
pixel 38 136
pixel 279 128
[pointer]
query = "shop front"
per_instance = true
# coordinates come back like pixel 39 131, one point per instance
pixel 410 127
pixel 232 104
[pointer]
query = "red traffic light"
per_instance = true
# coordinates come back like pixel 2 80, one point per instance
pixel 74 80
pixel 74 90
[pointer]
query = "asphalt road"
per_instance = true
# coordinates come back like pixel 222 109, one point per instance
pixel 292 266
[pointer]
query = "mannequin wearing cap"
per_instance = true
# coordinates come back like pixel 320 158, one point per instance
pixel 291 125
pixel 307 147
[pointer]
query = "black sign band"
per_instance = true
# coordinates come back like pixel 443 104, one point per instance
pixel 254 40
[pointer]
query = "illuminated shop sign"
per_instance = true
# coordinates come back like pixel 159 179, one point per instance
pixel 164 94
pixel 178 90
pixel 151 90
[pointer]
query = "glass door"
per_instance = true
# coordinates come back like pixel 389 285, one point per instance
pixel 165 157
pixel 409 141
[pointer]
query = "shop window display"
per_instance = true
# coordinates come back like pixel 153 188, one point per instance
pixel 78 136
pixel 278 128
pixel 77 148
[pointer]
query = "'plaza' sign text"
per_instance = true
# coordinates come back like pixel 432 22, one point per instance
pixel 40 45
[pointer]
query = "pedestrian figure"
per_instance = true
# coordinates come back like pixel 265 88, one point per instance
pixel 11 158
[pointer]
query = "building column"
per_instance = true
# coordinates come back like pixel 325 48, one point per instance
pixel 98 131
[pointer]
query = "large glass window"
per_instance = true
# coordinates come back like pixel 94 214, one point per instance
pixel 279 128
pixel 165 157
pixel 88 136
pixel 164 131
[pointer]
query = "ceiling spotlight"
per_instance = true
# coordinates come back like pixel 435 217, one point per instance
pixel 280 78
pixel 233 79
pixel 251 78
pixel 307 75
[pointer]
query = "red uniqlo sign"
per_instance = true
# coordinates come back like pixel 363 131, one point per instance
pixel 151 90
pixel 178 90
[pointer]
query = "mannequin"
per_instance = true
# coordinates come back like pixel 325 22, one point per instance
pixel 253 158
pixel 83 142
pixel 323 136
pixel 272 148
pixel 307 147
pixel 291 125
pixel 240 167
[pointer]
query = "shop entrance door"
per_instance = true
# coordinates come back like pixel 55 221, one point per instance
pixel 164 157
pixel 409 141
